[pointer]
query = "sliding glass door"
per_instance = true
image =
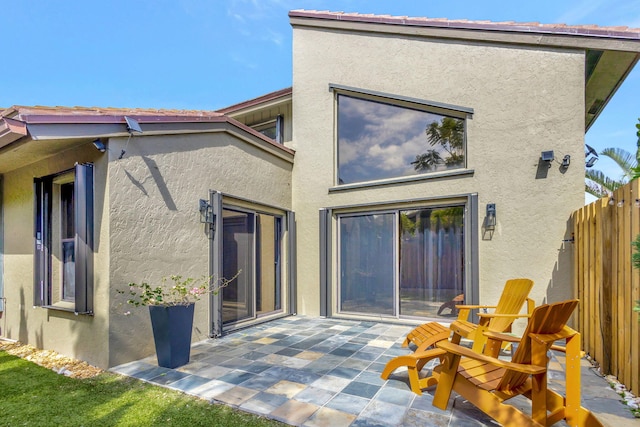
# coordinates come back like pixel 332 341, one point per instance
pixel 402 263
pixel 251 249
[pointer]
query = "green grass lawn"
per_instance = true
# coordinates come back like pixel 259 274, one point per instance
pixel 31 395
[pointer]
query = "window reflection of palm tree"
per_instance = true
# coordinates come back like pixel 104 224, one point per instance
pixel 427 161
pixel 448 134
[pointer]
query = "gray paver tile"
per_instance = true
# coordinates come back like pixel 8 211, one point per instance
pixel 294 412
pixel 327 417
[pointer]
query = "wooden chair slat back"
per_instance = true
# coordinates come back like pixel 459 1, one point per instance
pixel 546 319
pixel 513 297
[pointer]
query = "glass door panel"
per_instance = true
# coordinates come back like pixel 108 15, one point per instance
pixel 268 293
pixel 431 261
pixel 238 250
pixel 367 264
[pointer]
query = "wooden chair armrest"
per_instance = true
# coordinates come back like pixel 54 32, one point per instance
pixel 502 336
pixel 473 307
pixel 466 352
pixel 566 332
pixel 492 315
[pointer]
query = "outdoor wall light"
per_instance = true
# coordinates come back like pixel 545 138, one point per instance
pixel 99 145
pixel 612 201
pixel 637 203
pixel 547 156
pixel 566 161
pixel 621 203
pixel 206 212
pixel 490 223
pixel 590 161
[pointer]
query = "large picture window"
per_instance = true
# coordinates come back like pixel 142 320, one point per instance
pixel 402 263
pixel 380 140
pixel 64 240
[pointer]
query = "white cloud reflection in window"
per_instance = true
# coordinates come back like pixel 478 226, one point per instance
pixel 378 141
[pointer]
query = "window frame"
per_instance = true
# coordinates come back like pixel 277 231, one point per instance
pixel 432 107
pixel 277 123
pixel 82 303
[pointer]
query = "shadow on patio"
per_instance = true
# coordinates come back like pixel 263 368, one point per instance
pixel 312 371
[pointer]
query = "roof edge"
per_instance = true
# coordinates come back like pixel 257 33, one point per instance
pixel 620 32
pixel 269 97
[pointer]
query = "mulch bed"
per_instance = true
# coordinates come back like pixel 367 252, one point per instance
pixel 50 359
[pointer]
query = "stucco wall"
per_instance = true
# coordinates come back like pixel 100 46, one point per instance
pixel 155 229
pixel 525 100
pixel 83 337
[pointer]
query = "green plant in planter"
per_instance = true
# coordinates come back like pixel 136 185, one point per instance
pixel 183 291
pixel 171 308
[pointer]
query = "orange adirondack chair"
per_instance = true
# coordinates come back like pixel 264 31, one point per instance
pixel 514 295
pixel 487 382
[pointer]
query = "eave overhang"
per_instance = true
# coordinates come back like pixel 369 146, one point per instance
pixel 39 134
pixel 270 100
pixel 11 131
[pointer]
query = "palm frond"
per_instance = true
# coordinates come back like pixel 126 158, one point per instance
pixel 625 160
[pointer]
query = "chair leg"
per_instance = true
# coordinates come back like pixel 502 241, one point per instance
pixel 414 363
pixel 448 370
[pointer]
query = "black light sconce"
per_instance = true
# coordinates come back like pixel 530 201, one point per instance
pixel 566 161
pixel 547 156
pixel 206 212
pixel 591 156
pixel 490 220
pixel 99 145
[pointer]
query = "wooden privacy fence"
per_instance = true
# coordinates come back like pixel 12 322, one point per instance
pixel 607 284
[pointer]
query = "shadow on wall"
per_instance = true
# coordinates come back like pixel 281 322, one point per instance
pixel 162 185
pixel 23 332
pixel 560 287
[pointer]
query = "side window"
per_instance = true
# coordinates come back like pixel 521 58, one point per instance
pixel 380 139
pixel 272 129
pixel 64 240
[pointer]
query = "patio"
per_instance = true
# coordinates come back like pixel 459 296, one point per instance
pixel 309 371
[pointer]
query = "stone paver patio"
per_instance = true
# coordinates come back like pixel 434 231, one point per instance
pixel 309 371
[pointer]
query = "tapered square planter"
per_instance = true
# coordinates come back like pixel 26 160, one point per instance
pixel 172 327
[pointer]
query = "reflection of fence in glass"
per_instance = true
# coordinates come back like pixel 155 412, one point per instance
pixel 431 259
pixel 367 264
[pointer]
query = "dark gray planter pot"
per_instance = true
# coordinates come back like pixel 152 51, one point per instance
pixel 172 333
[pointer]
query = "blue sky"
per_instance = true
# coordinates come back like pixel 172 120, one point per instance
pixel 208 54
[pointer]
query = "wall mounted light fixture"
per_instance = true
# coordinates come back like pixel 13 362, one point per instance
pixel 99 145
pixel 206 212
pixel 591 156
pixel 566 161
pixel 547 156
pixel 490 220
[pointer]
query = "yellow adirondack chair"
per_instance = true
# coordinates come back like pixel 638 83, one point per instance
pixel 487 382
pixel 514 295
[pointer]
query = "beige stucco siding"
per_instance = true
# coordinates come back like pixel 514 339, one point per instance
pixel 525 100
pixel 155 228
pixel 82 336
